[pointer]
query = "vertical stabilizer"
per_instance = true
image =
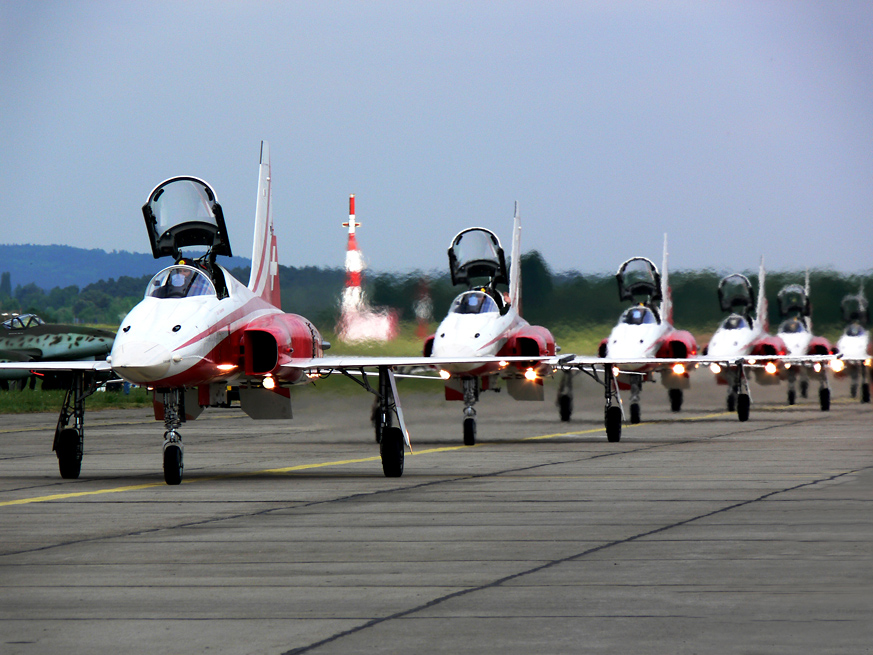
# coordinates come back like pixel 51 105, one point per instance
pixel 666 296
pixel 264 279
pixel 808 312
pixel 762 316
pixel 515 270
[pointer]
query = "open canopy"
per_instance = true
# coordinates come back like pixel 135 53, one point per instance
pixel 855 309
pixel 476 253
pixel 183 212
pixel 639 277
pixel 793 299
pixel 735 294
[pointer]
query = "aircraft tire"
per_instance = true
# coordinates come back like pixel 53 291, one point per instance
pixel 392 451
pixel 743 405
pixel 565 407
pixel 635 413
pixel 613 424
pixel 469 431
pixel 69 460
pixel 865 392
pixel 824 399
pixel 675 400
pixel 791 397
pixel 804 389
pixel 173 464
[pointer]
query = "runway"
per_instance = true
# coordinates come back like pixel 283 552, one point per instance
pixel 694 534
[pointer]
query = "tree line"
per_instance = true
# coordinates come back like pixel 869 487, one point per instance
pixel 556 300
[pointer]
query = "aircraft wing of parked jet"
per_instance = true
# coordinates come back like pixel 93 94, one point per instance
pixel 199 329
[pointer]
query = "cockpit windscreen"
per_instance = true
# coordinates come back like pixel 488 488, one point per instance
pixel 638 316
pixel 474 302
pixel 180 282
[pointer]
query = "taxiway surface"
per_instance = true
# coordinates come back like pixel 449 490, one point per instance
pixel 698 535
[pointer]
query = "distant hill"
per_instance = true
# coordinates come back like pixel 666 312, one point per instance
pixel 65 266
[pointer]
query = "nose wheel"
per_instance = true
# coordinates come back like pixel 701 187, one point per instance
pixel 173 458
pixel 471 395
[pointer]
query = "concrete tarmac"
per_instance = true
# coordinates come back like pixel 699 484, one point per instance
pixel 694 534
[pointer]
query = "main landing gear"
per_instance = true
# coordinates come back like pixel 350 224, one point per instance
pixel 613 414
pixel 390 438
pixel 69 440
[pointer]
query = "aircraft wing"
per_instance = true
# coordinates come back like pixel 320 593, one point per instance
pixel 663 362
pixel 353 362
pixel 90 365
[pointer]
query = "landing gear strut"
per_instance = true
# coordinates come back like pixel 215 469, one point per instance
pixel 565 396
pixel 69 441
pixel 613 414
pixel 740 391
pixel 174 412
pixel 471 395
pixel 391 442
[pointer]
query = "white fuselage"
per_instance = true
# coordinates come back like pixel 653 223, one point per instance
pixel 854 346
pixel 731 342
pixel 637 335
pixel 176 341
pixel 481 333
pixel 797 343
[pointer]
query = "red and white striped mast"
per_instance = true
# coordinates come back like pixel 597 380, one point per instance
pixel 353 299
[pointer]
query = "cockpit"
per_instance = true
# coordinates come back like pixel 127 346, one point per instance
pixel 638 316
pixel 735 322
pixel 474 302
pixel 180 282
pixel 854 330
pixel 792 326
pixel 23 322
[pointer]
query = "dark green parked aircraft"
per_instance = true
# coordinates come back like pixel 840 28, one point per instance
pixel 27 338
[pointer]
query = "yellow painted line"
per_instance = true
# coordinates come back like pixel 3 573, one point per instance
pixel 76 494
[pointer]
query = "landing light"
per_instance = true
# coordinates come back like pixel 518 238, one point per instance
pixel 615 370
pixel 445 375
pixel 770 367
pixel 817 367
pixel 788 365
pixel 530 374
pixel 503 363
pixel 868 362
pixel 679 369
pixel 837 365
pixel 715 368
pixel 269 382
pixel 226 367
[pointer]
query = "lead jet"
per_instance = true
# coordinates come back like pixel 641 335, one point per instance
pixel 28 338
pixel 796 332
pixel 854 345
pixel 485 323
pixel 742 341
pixel 199 329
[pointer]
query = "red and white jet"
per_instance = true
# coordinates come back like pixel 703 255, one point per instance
pixel 485 323
pixel 643 342
pixel 743 341
pixel 796 332
pixel 854 346
pixel 199 329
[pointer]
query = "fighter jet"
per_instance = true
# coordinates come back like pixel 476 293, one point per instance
pixel 854 345
pixel 28 338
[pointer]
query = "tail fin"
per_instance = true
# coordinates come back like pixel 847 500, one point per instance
pixel 515 263
pixel 666 294
pixel 762 316
pixel 264 278
pixel 808 315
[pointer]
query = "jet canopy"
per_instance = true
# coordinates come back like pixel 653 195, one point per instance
pixel 183 212
pixel 180 282
pixel 854 309
pixel 735 294
pixel 793 298
pixel 22 322
pixel 476 253
pixel 639 277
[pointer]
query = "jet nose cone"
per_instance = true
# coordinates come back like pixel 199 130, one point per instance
pixel 141 362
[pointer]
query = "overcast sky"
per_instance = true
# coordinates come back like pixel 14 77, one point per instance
pixel 741 129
